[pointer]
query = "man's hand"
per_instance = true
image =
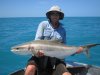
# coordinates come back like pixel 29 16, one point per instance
pixel 40 53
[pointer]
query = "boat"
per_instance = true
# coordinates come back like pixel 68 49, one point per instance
pixel 75 68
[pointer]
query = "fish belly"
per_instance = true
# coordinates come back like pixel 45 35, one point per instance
pixel 55 51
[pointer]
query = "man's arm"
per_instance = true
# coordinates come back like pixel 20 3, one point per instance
pixel 40 31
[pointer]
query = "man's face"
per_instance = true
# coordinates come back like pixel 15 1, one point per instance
pixel 54 16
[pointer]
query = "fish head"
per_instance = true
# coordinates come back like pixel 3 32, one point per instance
pixel 21 49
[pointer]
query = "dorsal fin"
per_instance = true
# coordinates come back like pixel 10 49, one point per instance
pixel 52 42
pixel 56 41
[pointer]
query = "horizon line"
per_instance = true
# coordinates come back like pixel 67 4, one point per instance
pixel 45 17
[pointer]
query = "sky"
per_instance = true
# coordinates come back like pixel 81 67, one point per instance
pixel 38 8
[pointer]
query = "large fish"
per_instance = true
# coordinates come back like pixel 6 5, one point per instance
pixel 50 48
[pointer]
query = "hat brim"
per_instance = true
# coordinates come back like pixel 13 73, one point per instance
pixel 61 14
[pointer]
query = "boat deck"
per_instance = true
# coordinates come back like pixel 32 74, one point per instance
pixel 74 68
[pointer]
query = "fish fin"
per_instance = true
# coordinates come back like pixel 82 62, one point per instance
pixel 48 42
pixel 56 41
pixel 52 42
pixel 90 45
pixel 87 47
pixel 86 52
pixel 74 54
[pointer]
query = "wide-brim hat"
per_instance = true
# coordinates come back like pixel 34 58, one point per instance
pixel 57 9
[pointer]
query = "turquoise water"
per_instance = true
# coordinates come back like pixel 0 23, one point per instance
pixel 80 31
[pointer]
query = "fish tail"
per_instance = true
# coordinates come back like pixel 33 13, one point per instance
pixel 87 47
pixel 90 45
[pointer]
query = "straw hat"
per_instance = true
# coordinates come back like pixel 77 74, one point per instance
pixel 57 9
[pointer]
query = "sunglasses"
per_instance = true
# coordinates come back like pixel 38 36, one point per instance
pixel 54 13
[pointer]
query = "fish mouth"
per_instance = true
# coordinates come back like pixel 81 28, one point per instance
pixel 14 49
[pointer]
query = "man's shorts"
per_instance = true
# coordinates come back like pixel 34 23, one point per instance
pixel 39 63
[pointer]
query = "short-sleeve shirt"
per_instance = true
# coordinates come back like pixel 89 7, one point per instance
pixel 46 31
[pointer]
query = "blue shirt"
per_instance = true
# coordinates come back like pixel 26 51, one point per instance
pixel 46 31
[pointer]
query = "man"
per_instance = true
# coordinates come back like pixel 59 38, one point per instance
pixel 49 30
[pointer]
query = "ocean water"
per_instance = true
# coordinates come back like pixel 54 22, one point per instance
pixel 13 31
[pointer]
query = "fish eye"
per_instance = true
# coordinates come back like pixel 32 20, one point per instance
pixel 16 48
